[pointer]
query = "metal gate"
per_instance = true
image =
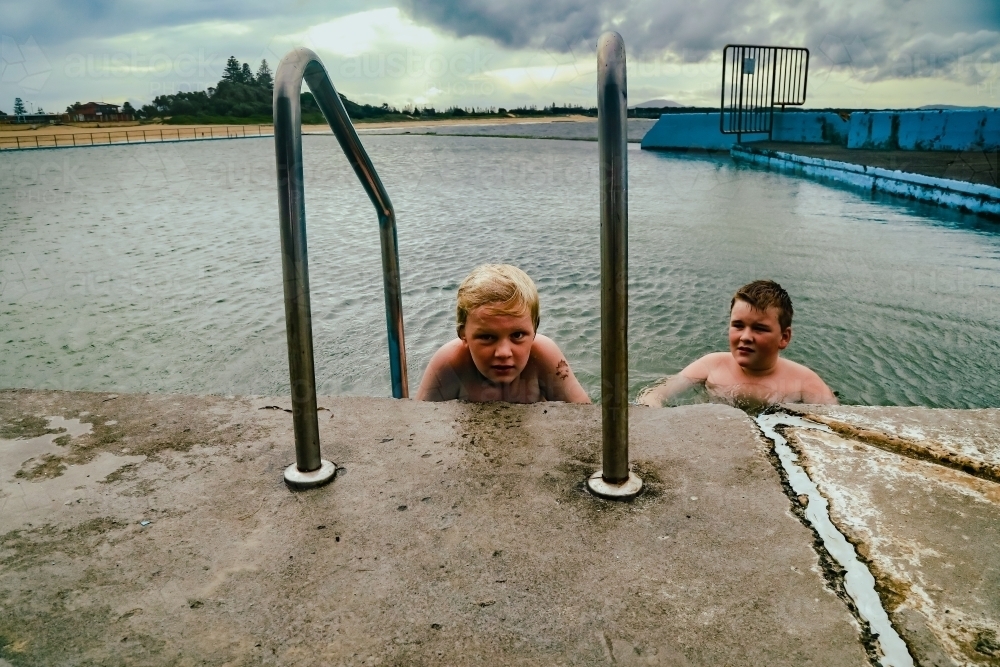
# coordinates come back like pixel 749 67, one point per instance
pixel 755 79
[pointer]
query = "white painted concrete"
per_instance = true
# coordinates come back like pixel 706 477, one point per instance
pixel 971 197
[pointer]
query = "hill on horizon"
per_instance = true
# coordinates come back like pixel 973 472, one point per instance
pixel 950 107
pixel 657 104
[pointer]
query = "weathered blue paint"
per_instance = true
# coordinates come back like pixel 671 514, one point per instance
pixel 968 197
pixel 810 127
pixel 680 131
pixel 944 130
pixel 890 130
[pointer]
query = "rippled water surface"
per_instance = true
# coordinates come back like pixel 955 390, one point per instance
pixel 157 268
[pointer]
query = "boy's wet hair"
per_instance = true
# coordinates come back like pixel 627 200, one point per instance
pixel 761 295
pixel 507 288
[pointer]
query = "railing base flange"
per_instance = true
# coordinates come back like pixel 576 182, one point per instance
pixel 297 479
pixel 627 490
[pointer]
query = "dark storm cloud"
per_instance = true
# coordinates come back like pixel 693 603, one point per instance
pixel 49 21
pixel 877 39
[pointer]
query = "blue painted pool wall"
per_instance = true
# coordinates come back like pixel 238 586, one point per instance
pixel 810 127
pixel 680 131
pixel 903 130
pixel 926 130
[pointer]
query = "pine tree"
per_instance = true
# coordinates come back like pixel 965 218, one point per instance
pixel 232 72
pixel 246 76
pixel 19 107
pixel 264 78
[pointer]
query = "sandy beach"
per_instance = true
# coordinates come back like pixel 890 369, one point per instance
pixel 150 128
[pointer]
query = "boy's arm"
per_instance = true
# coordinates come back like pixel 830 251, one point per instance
pixel 441 381
pixel 694 373
pixel 554 374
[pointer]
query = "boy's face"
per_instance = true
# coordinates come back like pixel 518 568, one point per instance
pixel 755 337
pixel 500 344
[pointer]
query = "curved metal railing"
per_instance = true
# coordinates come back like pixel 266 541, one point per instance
pixel 303 64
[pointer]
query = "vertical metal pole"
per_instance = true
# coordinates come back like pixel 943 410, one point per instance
pixel 298 310
pixel 774 81
pixel 614 480
pixel 722 96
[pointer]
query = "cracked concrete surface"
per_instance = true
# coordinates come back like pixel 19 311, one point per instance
pixel 455 534
pixel 928 530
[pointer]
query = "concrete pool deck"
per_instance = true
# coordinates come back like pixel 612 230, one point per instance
pixel 155 529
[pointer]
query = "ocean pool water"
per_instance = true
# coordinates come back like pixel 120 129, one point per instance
pixel 157 268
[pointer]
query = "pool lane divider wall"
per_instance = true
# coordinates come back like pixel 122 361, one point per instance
pixel 966 197
pixel 858 580
pixel 614 481
pixel 309 469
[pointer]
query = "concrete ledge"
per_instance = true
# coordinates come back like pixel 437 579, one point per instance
pixel 927 530
pixel 156 530
pixel 966 197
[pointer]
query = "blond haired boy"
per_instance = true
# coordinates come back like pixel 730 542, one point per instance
pixel 498 356
pixel 752 373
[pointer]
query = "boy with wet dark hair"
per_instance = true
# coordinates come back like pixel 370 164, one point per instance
pixel 752 372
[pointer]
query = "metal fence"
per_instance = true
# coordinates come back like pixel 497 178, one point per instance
pixel 756 79
pixel 143 136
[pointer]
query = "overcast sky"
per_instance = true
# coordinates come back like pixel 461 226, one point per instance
pixel 871 54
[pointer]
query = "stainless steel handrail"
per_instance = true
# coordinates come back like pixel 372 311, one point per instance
pixel 614 480
pixel 309 469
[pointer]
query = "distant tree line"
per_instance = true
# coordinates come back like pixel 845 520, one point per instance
pixel 243 96
pixel 21 110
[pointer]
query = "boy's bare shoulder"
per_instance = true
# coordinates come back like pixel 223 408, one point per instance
pixel 441 381
pixel 451 351
pixel 812 387
pixel 699 370
pixel 545 350
pixel 716 358
pixel 793 369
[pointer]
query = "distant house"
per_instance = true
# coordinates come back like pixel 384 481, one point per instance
pixel 98 111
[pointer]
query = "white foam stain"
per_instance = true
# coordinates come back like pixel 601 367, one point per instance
pixel 973 447
pixel 858 581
